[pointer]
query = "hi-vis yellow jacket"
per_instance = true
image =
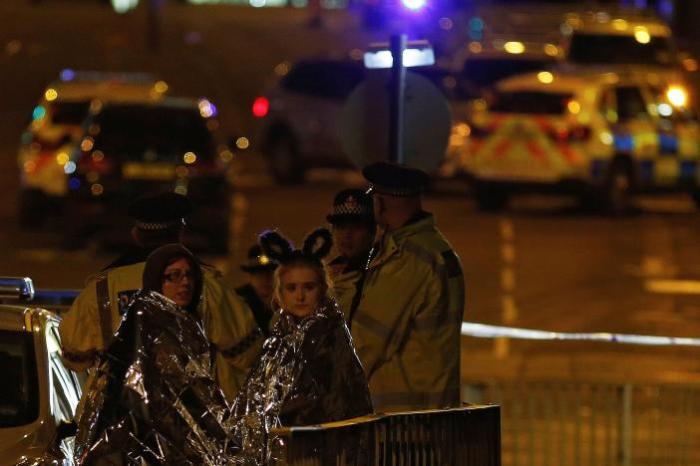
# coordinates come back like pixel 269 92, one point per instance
pixel 96 313
pixel 407 326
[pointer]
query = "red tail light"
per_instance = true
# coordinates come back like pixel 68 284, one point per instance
pixel 261 106
pixel 576 133
pixel 94 162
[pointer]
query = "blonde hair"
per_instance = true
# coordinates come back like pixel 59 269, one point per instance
pixel 322 274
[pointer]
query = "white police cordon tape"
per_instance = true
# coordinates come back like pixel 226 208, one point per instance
pixel 471 329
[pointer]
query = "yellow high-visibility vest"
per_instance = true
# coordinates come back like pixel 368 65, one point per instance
pixel 407 326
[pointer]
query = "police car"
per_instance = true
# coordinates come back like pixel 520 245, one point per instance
pixel 56 122
pixel 602 135
pixel 618 36
pixel 127 150
pixel 39 396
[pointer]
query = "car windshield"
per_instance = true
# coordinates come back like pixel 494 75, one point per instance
pixel 617 49
pixel 69 113
pixel 530 102
pixel 19 397
pixel 481 72
pixel 152 133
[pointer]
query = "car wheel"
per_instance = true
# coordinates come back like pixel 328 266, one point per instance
pixel 33 208
pixel 284 161
pixel 619 189
pixel 490 199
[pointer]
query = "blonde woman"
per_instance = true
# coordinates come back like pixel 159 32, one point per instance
pixel 308 372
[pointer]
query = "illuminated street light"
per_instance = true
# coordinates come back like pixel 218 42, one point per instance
pixel 414 5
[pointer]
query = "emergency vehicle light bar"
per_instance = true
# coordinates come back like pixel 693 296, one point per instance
pixel 416 53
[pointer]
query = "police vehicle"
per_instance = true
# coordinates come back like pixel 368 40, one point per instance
pixel 602 135
pixel 39 396
pixel 55 124
pixel 127 150
pixel 618 36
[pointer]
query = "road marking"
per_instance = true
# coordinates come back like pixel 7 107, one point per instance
pixel 508 253
pixel 672 286
pixel 508 280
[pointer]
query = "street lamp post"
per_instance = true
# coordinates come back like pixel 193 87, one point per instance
pixel 398 91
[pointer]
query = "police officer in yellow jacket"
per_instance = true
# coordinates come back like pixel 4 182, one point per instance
pixel 87 328
pixel 353 228
pixel 407 325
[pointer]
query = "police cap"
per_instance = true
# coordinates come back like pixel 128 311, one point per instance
pixel 160 211
pixel 351 205
pixel 395 180
pixel 257 261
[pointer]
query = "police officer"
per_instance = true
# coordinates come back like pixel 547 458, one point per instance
pixel 257 292
pixel 89 325
pixel 407 325
pixel 353 228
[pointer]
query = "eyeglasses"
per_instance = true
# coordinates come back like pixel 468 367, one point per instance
pixel 176 276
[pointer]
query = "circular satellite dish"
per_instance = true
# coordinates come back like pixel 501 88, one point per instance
pixel 365 122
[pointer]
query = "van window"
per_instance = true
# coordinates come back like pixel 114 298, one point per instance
pixel 325 79
pixel 630 103
pixel 530 102
pixel 619 49
pixel 19 394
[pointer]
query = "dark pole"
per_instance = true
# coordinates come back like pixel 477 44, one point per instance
pixel 398 88
pixel 153 26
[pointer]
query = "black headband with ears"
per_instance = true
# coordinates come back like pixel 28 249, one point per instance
pixel 317 245
pixel 276 246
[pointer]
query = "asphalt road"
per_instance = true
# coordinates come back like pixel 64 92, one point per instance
pixel 543 264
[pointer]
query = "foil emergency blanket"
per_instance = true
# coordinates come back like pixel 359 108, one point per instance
pixel 308 373
pixel 153 399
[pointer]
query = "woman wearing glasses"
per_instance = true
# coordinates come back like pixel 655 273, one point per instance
pixel 157 401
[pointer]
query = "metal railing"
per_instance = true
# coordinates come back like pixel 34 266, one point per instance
pixel 581 424
pixel 468 436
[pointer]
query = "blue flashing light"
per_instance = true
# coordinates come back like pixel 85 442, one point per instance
pixel 67 75
pixel 39 112
pixel 74 184
pixel 414 5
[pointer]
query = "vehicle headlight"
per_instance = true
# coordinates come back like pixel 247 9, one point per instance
pixel 677 96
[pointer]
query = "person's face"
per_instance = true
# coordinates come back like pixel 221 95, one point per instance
pixel 352 239
pixel 178 282
pixel 379 209
pixel 262 283
pixel 301 290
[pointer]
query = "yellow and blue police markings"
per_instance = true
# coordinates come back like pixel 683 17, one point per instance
pixel 663 158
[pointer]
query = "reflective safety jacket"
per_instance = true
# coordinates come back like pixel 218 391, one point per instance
pixel 407 325
pixel 89 325
pixel 347 277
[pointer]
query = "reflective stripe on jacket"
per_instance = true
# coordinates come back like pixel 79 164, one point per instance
pixel 345 283
pixel 407 326
pixel 96 314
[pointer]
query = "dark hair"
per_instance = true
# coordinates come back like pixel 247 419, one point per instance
pixel 160 259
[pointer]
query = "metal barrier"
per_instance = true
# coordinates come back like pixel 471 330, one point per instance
pixel 468 436
pixel 580 424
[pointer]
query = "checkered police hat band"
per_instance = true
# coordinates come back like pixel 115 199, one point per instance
pixel 351 209
pixel 155 226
